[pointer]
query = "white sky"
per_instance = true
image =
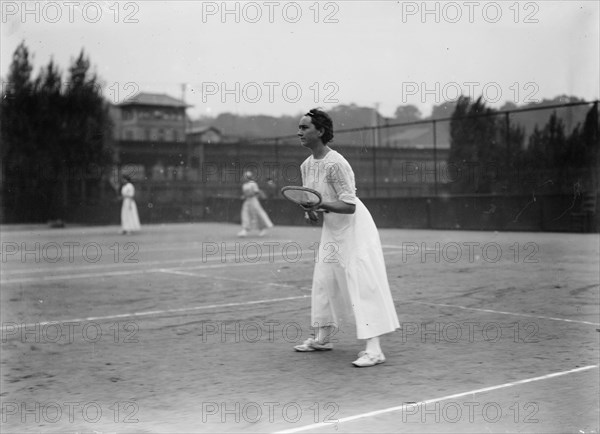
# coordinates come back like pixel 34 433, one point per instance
pixel 385 53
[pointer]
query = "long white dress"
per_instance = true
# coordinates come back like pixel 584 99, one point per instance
pixel 130 222
pixel 253 214
pixel 350 275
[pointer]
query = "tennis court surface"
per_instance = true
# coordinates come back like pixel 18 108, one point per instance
pixel 186 328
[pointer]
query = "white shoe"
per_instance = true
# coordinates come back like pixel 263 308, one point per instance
pixel 312 345
pixel 242 233
pixel 368 359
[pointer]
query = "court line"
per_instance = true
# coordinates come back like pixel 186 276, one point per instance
pixel 194 246
pixel 180 273
pixel 220 263
pixel 98 266
pixel 75 276
pixel 121 264
pixel 205 264
pixel 505 313
pixel 203 259
pixel 228 279
pixel 429 401
pixel 155 312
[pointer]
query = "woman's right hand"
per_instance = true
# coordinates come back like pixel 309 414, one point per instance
pixel 311 217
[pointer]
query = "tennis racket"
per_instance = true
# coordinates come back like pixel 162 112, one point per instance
pixel 307 198
pixel 116 187
pixel 114 184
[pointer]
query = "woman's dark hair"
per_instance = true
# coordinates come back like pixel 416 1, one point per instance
pixel 322 121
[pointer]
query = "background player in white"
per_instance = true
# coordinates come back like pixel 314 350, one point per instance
pixel 130 222
pixel 253 214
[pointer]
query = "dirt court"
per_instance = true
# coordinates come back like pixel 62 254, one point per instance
pixel 186 328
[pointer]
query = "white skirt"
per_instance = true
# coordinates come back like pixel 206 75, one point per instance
pixel 130 221
pixel 350 278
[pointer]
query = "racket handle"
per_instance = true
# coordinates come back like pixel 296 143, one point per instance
pixel 312 216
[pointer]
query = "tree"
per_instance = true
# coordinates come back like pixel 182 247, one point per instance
pixel 18 139
pixel 590 140
pixel 578 162
pixel 513 155
pixel 474 145
pixel 86 127
pixel 444 110
pixel 546 149
pixel 51 137
pixel 407 113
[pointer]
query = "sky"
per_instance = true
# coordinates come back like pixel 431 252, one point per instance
pixel 283 58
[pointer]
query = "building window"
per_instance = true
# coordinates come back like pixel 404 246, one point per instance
pixel 147 134
pixel 175 135
pixel 128 135
pixel 126 114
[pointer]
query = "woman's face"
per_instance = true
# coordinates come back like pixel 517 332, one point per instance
pixel 308 133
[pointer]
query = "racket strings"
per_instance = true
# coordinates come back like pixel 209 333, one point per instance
pixel 302 197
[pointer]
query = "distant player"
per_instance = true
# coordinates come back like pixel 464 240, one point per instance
pixel 254 217
pixel 130 221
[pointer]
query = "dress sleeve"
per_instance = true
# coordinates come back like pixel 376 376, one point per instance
pixel 250 189
pixel 253 187
pixel 341 178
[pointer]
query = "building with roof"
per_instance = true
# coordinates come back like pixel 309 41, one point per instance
pixel 156 142
pixel 204 134
pixel 150 136
pixel 150 117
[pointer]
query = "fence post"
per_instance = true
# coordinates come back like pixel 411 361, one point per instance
pixel 540 202
pixel 276 176
pixel 428 209
pixel 374 163
pixel 508 159
pixel 435 174
pixel 595 179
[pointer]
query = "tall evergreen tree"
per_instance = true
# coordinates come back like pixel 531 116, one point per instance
pixel 590 138
pixel 47 92
pixel 579 161
pixel 544 155
pixel 474 145
pixel 51 138
pixel 18 137
pixel 86 125
pixel 510 174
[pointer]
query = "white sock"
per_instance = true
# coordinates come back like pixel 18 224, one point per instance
pixel 373 345
pixel 323 334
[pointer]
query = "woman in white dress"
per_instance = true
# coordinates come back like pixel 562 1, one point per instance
pixel 130 221
pixel 254 217
pixel 350 278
